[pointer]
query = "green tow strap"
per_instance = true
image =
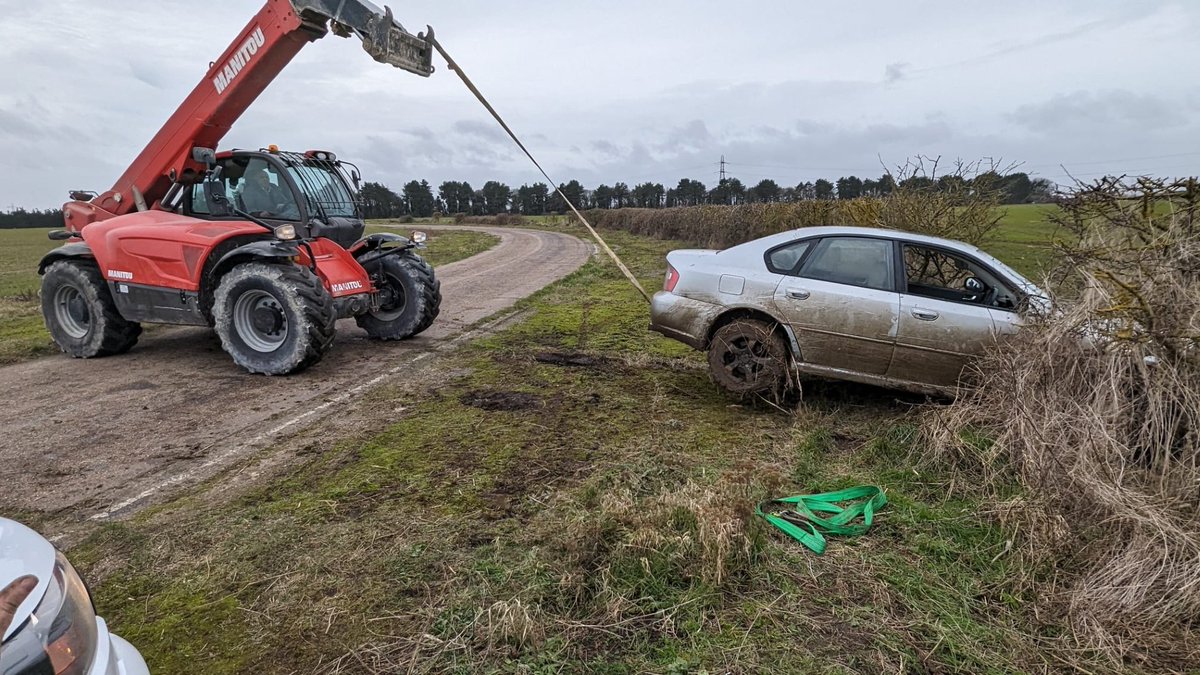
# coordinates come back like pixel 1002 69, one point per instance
pixel 801 522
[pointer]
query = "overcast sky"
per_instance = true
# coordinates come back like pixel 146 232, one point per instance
pixel 628 91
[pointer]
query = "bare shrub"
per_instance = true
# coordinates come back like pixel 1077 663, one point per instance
pixel 1094 412
pixel 959 204
pixel 955 203
pixel 503 219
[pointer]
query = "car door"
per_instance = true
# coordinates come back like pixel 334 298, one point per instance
pixel 944 324
pixel 842 304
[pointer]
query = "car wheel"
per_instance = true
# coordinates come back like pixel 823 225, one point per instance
pixel 747 357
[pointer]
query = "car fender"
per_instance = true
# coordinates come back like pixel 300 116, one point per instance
pixel 793 343
pixel 73 250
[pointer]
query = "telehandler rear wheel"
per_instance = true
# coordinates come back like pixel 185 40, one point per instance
pixel 412 299
pixel 80 313
pixel 273 319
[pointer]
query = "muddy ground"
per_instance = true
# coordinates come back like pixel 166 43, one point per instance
pixel 98 439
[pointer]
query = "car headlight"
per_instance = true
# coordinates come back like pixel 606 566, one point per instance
pixel 60 636
pixel 419 237
pixel 285 232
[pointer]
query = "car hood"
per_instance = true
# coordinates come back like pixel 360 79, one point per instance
pixel 23 551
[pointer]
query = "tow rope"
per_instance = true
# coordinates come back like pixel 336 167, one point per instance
pixel 799 519
pixel 596 235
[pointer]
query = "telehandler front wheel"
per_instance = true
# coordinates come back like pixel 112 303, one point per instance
pixel 412 298
pixel 80 313
pixel 273 319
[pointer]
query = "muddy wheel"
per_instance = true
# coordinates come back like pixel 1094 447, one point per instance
pixel 412 299
pixel 80 313
pixel 748 357
pixel 273 319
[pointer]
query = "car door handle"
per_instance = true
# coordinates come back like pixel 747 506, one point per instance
pixel 798 293
pixel 924 315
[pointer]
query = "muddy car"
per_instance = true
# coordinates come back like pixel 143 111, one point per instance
pixel 880 307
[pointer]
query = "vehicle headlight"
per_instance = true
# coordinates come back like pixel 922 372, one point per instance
pixel 285 232
pixel 60 636
pixel 419 237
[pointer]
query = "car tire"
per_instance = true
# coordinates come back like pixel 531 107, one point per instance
pixel 80 313
pixel 748 357
pixel 273 319
pixel 416 299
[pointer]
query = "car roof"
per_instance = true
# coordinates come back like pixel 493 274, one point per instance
pixel 757 246
pixel 834 230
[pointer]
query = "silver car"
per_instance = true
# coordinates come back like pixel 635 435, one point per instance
pixel 875 306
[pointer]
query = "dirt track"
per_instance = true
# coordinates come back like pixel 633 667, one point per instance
pixel 100 438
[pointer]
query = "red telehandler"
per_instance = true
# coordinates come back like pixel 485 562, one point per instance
pixel 265 246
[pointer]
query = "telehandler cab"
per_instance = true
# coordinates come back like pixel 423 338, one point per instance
pixel 265 246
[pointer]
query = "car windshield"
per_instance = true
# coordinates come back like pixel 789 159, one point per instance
pixel 325 189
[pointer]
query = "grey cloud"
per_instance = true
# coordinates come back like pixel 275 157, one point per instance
pixel 606 148
pixel 484 130
pixel 1115 109
pixel 148 74
pixel 895 72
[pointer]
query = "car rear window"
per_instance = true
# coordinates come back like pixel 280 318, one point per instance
pixel 784 259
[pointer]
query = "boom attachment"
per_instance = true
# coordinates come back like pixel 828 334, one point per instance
pixel 384 38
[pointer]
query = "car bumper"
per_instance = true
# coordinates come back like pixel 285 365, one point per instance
pixel 115 656
pixel 682 319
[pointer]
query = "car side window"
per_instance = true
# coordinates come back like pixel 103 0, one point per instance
pixel 783 260
pixel 935 273
pixel 855 261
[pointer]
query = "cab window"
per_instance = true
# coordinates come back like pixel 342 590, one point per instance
pixel 854 261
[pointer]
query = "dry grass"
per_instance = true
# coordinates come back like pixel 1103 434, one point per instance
pixel 1095 413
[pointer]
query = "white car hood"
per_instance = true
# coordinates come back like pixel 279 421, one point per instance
pixel 23 551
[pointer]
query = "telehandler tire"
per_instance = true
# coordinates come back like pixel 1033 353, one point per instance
pixel 80 313
pixel 415 299
pixel 273 319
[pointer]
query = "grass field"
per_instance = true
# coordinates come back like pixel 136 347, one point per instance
pixel 23 334
pixel 573 495
pixel 1025 237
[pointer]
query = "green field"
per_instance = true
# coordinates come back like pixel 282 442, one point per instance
pixel 1025 237
pixel 23 334
pixel 573 495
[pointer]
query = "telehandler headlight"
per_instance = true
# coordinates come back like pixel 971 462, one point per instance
pixel 285 232
pixel 419 237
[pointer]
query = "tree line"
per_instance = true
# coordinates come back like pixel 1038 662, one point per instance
pixel 20 217
pixel 418 198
